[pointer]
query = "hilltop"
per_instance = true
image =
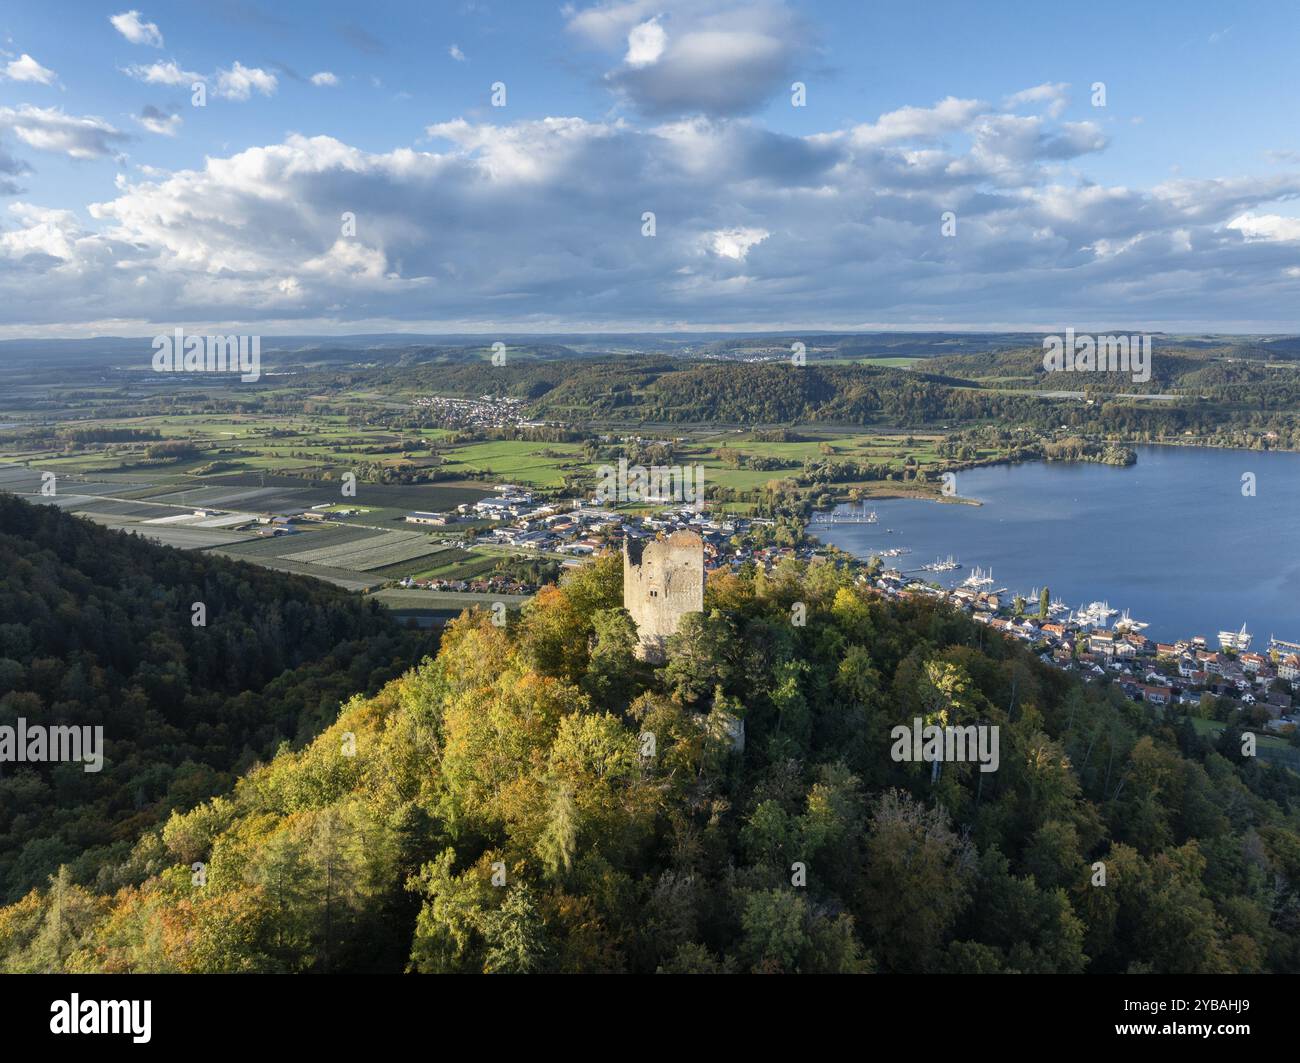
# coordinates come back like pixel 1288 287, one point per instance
pixel 537 799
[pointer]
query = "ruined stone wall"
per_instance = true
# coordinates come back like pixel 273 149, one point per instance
pixel 663 580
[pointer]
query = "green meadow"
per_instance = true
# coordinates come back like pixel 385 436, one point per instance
pixel 518 461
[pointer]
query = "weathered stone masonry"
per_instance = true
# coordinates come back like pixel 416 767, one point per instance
pixel 663 580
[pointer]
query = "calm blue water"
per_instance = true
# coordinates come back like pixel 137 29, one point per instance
pixel 1172 538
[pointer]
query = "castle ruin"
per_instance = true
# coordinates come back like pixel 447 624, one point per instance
pixel 663 580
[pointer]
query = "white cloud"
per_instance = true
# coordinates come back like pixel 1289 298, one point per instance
pixel 735 243
pixel 645 43
pixel 130 25
pixel 1053 96
pixel 606 25
pixel 240 81
pixel 919 123
pixel 324 78
pixel 349 258
pixel 156 121
pixel 455 52
pixel 168 73
pixel 527 152
pixel 535 222
pixel 42 232
pixel 1009 148
pixel 25 68
pixel 1266 226
pixel 50 129
pixel 681 57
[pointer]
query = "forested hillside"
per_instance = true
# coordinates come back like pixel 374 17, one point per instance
pixel 681 392
pixel 535 799
pixel 96 629
pixel 1221 402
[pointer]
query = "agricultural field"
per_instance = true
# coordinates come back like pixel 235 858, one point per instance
pixel 352 555
pixel 184 538
pixel 533 464
pixel 438 601
pixel 358 558
pixel 207 445
pixel 866 448
pixel 348 580
pixel 543 466
pixel 104 503
pixel 306 539
pixel 145 512
pixel 900 361
pixel 455 563
pixel 378 551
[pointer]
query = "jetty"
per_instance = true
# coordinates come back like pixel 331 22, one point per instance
pixel 851 515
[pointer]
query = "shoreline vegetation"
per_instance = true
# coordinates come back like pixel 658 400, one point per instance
pixel 932 491
pixel 1070 450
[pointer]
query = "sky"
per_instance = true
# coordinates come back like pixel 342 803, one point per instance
pixel 648 165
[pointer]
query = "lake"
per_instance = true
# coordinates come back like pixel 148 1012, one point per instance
pixel 1171 538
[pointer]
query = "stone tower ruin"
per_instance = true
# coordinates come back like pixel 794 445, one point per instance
pixel 663 580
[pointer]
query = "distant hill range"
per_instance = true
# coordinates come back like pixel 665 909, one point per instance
pixel 286 353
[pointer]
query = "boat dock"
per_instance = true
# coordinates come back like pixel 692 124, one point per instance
pixel 853 515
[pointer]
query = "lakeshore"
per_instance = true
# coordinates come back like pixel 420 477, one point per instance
pixel 1172 538
pixel 1259 684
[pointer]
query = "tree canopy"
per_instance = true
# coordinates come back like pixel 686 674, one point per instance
pixel 535 799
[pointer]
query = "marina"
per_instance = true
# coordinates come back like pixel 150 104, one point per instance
pixel 1171 538
pixel 1099 640
pixel 1235 640
pixel 847 515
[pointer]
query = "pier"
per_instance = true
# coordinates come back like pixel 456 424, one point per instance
pixel 853 515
